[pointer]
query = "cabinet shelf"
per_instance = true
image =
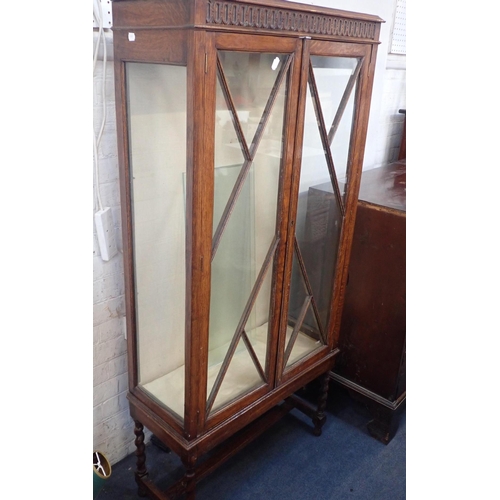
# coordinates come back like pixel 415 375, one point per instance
pixel 169 388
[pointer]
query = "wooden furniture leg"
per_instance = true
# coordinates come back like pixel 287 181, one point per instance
pixel 141 470
pixel 189 477
pixel 305 402
pixel 385 422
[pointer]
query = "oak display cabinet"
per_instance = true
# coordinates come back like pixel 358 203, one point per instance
pixel 228 112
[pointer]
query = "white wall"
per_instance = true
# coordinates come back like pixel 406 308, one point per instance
pixel 113 428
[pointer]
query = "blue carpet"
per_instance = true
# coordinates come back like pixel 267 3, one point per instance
pixel 289 462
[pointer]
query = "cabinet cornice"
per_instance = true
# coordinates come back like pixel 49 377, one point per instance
pixel 270 17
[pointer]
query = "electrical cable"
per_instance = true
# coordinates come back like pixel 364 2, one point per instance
pixel 99 17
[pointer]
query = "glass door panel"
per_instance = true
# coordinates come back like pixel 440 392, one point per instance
pixel 233 276
pixel 246 368
pixel 320 213
pixel 335 79
pixel 228 156
pixel 157 144
pixel 250 77
pixel 241 375
pixel 250 111
pixel 302 333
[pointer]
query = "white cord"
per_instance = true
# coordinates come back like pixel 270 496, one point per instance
pixel 99 14
pixel 96 161
pixel 98 17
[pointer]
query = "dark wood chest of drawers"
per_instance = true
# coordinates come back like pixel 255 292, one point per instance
pixel 372 359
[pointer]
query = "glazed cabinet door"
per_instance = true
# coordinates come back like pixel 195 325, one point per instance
pixel 239 188
pixel 255 79
pixel 325 184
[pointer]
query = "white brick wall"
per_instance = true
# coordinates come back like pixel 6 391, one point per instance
pixel 113 427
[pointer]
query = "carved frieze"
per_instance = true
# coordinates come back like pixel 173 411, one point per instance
pixel 229 13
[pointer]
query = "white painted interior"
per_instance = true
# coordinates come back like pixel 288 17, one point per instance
pixel 158 166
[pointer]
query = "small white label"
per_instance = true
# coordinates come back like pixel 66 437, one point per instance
pixel 131 37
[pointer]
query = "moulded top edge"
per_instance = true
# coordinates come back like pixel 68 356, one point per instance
pixel 272 16
pixel 194 5
pixel 314 9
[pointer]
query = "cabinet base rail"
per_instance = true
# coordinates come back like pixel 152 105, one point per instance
pixel 185 486
pixel 385 413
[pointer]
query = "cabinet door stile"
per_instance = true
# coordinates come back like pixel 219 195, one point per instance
pixel 301 85
pixel 199 199
pixel 357 148
pixel 126 209
pixel 292 124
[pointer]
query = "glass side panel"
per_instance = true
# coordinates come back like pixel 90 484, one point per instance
pixel 244 239
pixel 157 125
pixel 327 134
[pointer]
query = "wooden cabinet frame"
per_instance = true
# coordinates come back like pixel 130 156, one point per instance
pixel 191 34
